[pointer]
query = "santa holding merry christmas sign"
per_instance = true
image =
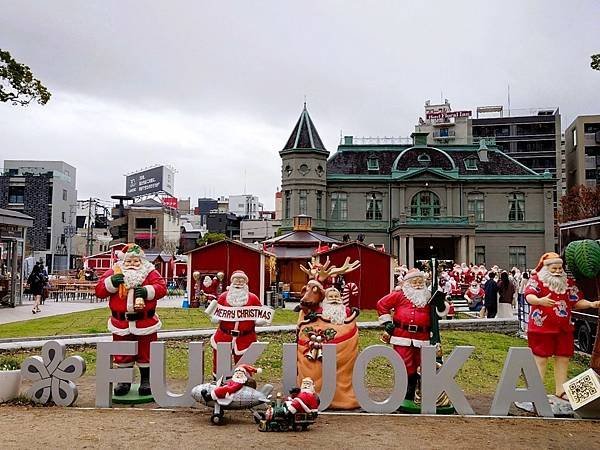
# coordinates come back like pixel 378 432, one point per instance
pixel 133 286
pixel 241 333
pixel 552 295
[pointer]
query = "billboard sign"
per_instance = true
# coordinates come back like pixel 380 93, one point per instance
pixel 171 202
pixel 447 114
pixel 156 179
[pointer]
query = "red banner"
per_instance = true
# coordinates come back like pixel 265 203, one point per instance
pixel 171 202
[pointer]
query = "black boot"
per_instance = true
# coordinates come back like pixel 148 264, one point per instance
pixel 205 395
pixel 122 389
pixel 144 388
pixel 411 387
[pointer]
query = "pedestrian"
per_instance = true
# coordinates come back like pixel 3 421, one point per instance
pixel 491 296
pixel 506 296
pixel 36 283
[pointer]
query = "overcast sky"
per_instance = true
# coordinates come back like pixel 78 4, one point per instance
pixel 215 88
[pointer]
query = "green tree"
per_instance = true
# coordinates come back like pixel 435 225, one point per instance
pixel 210 238
pixel 17 84
pixel 595 62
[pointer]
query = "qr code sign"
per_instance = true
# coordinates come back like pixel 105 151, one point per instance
pixel 583 389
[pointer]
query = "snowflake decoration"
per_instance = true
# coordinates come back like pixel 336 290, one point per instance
pixel 53 375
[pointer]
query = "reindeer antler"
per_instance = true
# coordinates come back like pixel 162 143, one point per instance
pixel 333 271
pixel 316 269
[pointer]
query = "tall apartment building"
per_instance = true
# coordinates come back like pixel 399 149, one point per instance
pixel 532 139
pixel 582 149
pixel 46 191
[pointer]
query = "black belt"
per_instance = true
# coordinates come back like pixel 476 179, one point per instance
pixel 131 317
pixel 235 333
pixel 410 327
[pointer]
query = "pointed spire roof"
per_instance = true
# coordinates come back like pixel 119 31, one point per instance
pixel 305 136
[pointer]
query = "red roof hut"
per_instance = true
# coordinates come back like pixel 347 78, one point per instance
pixel 228 256
pixel 374 276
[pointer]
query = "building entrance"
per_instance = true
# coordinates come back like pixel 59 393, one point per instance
pixel 435 247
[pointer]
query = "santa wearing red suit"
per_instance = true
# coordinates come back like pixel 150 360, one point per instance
pixel 303 400
pixel 240 333
pixel 406 316
pixel 133 286
pixel 552 295
pixel 238 380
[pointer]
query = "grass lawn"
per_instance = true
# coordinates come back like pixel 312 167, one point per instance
pixel 94 321
pixel 479 375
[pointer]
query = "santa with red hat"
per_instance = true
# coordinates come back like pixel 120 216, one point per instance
pixel 406 317
pixel 552 295
pixel 240 333
pixel 133 286
pixel 303 400
pixel 238 380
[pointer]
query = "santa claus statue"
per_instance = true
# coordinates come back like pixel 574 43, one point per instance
pixel 329 322
pixel 303 399
pixel 209 288
pixel 242 374
pixel 552 295
pixel 407 319
pixel 133 286
pixel 240 333
pixel 475 296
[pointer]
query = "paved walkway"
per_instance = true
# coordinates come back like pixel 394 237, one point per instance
pixel 52 308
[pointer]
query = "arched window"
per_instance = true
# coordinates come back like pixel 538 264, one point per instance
pixel 374 206
pixel 425 204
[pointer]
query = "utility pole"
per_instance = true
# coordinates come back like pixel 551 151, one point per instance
pixel 90 228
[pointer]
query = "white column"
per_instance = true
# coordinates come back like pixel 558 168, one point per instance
pixel 411 252
pixel 471 251
pixel 402 250
pixel 463 249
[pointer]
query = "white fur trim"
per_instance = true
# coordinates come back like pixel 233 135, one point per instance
pixel 258 370
pixel 211 307
pixel 109 286
pixel 151 292
pixel 304 406
pixel 385 318
pixel 213 395
pixel 407 342
pixel 290 408
pixel 549 261
pixel 139 364
pixel 130 301
pixel 444 313
pixel 124 365
pixel 133 329
pixel 413 274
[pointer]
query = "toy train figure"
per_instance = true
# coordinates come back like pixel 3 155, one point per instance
pixel 296 413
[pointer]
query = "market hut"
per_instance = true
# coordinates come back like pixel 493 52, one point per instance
pixel 374 276
pixel 295 248
pixel 227 256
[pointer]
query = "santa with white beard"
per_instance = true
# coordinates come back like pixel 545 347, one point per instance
pixel 241 333
pixel 406 317
pixel 333 308
pixel 552 295
pixel 133 286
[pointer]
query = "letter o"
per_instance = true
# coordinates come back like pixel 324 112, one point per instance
pixel 396 397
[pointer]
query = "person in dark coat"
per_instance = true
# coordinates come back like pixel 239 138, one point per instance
pixel 36 283
pixel 491 296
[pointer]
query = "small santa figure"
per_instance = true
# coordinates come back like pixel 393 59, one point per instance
pixel 133 286
pixel 475 296
pixel 209 288
pixel 303 399
pixel 240 333
pixel 407 319
pixel 242 374
pixel 552 295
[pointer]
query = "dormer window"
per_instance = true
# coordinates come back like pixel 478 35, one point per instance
pixel 424 159
pixel 373 164
pixel 471 164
